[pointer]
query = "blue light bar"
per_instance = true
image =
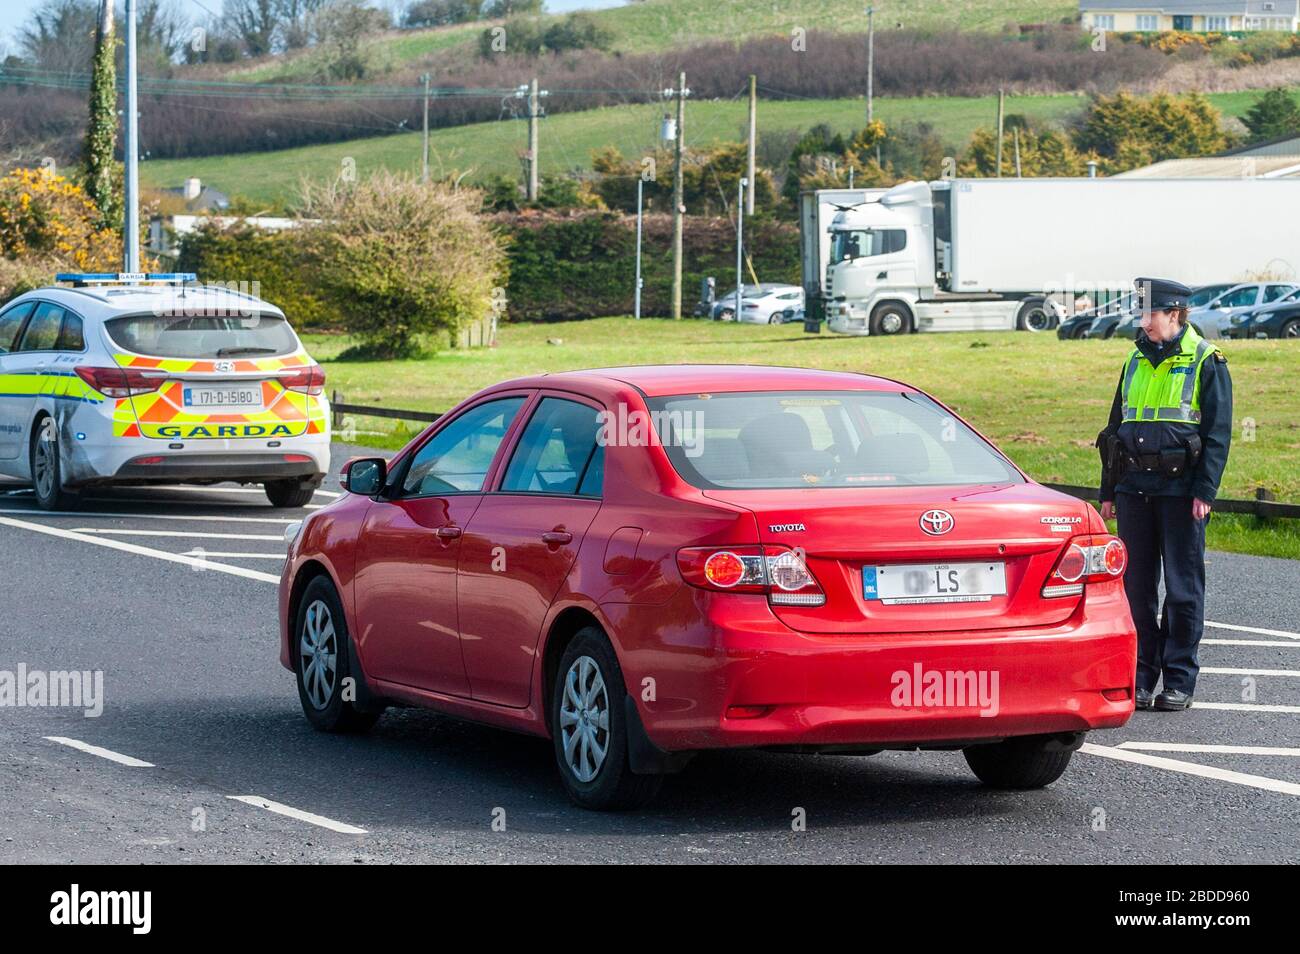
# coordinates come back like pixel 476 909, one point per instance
pixel 125 278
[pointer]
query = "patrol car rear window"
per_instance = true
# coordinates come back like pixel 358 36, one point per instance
pixel 202 336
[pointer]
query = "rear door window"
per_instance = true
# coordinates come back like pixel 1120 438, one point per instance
pixel 71 336
pixel 556 451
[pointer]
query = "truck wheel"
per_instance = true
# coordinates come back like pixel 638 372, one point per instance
pixel 288 493
pixel 47 468
pixel 1016 763
pixel 1034 315
pixel 891 319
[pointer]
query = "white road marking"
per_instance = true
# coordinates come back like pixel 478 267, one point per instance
pixel 109 754
pixel 248 556
pixel 141 551
pixel 1244 707
pixel 1192 768
pixel 1221 671
pixel 1249 642
pixel 1224 749
pixel 211 518
pixel 113 531
pixel 1254 629
pixel 259 802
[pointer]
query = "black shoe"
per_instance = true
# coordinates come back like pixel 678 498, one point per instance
pixel 1171 700
pixel 1142 699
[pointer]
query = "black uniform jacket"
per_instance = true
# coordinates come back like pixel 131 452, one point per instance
pixel 1150 437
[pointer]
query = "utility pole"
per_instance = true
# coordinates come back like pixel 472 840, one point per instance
pixel 740 245
pixel 1016 134
pixel 101 130
pixel 131 152
pixel 1002 100
pixel 424 163
pixel 533 111
pixel 871 60
pixel 753 140
pixel 681 92
pixel 640 183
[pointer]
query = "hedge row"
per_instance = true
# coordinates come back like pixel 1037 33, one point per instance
pixel 562 265
pixel 583 265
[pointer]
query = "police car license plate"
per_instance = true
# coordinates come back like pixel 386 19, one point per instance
pixel 247 395
pixel 934 582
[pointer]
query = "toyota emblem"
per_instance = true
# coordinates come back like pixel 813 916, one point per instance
pixel 935 522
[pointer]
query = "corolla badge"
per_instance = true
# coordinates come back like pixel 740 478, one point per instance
pixel 935 522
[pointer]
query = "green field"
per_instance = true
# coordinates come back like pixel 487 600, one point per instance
pixel 568 139
pixel 656 25
pixel 1042 400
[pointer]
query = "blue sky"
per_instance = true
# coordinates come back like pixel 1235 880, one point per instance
pixel 14 13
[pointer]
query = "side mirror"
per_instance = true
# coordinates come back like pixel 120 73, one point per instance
pixel 364 476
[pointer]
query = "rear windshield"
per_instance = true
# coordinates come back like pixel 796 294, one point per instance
pixel 822 438
pixel 203 336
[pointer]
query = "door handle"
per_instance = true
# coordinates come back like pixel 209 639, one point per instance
pixel 555 538
pixel 448 533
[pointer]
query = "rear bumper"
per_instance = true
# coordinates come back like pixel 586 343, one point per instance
pixel 250 468
pixel 742 678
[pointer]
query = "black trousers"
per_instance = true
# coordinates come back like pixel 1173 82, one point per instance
pixel 1161 532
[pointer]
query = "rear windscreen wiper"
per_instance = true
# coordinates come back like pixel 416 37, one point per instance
pixel 227 352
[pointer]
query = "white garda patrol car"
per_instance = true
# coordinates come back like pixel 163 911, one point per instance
pixel 154 379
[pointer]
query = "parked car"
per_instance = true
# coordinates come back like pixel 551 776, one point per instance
pixel 643 563
pixel 1126 323
pixel 1078 325
pixel 762 304
pixel 1278 320
pixel 1211 318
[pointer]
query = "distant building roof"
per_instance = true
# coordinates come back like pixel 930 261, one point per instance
pixel 1281 146
pixel 1219 167
pixel 199 197
pixel 1266 8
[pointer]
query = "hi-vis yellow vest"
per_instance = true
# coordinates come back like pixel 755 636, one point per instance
pixel 1170 392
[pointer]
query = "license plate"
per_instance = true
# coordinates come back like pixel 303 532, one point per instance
pixel 234 396
pixel 934 582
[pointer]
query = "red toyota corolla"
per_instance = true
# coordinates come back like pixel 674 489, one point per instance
pixel 641 563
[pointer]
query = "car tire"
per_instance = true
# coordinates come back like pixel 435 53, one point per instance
pixel 288 493
pixel 594 705
pixel 726 315
pixel 776 318
pixel 320 631
pixel 1291 329
pixel 47 467
pixel 890 319
pixel 1017 763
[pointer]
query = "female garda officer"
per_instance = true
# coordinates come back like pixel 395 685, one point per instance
pixel 1163 454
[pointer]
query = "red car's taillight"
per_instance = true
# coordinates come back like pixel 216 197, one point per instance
pixel 776 571
pixel 309 380
pixel 1093 558
pixel 121 382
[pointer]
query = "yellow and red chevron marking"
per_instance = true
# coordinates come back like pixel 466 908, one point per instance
pixel 235 365
pixel 162 414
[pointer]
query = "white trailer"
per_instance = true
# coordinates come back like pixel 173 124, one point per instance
pixel 985 254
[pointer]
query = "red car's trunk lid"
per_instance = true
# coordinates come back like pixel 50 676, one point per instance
pixel 842 530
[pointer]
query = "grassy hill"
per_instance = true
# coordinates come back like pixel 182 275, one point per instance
pixel 657 25
pixel 567 139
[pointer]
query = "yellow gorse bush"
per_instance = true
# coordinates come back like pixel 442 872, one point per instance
pixel 48 216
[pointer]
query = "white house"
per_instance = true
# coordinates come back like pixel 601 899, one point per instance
pixel 1202 16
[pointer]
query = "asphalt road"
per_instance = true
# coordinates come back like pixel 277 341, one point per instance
pixel 193 686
